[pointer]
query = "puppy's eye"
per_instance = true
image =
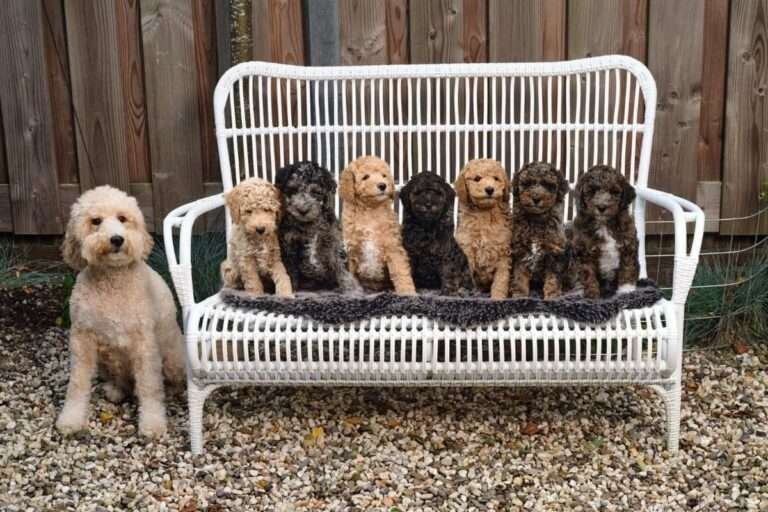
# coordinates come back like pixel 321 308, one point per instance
pixel 121 218
pixel 96 221
pixel 248 211
pixel 477 178
pixel 497 178
pixel 365 177
pixel 550 186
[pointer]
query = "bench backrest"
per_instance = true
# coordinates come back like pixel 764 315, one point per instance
pixel 437 117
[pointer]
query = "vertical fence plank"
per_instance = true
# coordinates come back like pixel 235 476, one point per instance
pixel 710 147
pixel 676 28
pixel 436 31
pixel 132 83
pixel 322 32
pixel 27 120
pixel 206 66
pixel 397 31
pixel 526 30
pixel 172 103
pixel 55 40
pixel 6 217
pixel 363 32
pixel 745 164
pixel 223 35
pixel 97 93
pixel 278 32
pixel 475 31
pixel 596 28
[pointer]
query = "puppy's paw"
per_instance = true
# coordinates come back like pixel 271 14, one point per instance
pixel 114 394
pixel 626 288
pixel 71 421
pixel 152 425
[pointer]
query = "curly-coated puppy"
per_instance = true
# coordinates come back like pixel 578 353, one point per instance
pixel 310 235
pixel 485 229
pixel 437 261
pixel 123 314
pixel 604 239
pixel 254 249
pixel 538 241
pixel 371 231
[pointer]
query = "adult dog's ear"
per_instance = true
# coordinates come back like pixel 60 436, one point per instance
pixel 149 242
pixel 563 187
pixel 232 200
pixel 627 193
pixel 460 186
pixel 347 183
pixel 283 175
pixel 71 249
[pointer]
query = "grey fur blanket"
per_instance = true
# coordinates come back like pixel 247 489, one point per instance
pixel 335 308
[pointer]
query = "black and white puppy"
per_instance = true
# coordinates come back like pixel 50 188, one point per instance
pixel 437 261
pixel 603 238
pixel 309 232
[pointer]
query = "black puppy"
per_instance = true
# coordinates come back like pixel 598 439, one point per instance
pixel 309 232
pixel 437 261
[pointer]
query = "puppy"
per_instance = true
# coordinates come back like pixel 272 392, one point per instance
pixel 603 236
pixel 538 240
pixel 370 228
pixel 254 250
pixel 437 261
pixel 310 235
pixel 484 231
pixel 123 314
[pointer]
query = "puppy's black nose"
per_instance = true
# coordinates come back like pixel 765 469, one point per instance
pixel 536 200
pixel 116 240
pixel 260 230
pixel 601 208
pixel 382 186
pixel 489 191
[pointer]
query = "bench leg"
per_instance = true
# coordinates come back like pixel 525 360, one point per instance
pixel 196 396
pixel 671 395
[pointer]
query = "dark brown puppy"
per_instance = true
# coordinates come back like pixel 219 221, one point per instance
pixel 538 237
pixel 603 238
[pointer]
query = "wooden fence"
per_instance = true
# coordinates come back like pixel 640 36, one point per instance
pixel 120 92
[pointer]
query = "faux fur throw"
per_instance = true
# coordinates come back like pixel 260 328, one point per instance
pixel 335 308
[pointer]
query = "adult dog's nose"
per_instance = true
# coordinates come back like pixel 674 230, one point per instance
pixel 489 191
pixel 117 241
pixel 382 186
pixel 536 200
pixel 260 230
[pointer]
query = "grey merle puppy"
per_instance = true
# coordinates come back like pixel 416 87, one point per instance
pixel 309 232
pixel 437 261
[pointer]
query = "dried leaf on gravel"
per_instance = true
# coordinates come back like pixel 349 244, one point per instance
pixel 189 506
pixel 529 429
pixel 315 438
pixel 354 421
pixel 105 417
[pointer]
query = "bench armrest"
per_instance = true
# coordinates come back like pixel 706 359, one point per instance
pixel 686 256
pixel 180 266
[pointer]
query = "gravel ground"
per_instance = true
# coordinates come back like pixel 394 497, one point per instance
pixel 388 449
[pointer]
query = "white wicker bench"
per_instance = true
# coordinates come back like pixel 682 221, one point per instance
pixel 437 117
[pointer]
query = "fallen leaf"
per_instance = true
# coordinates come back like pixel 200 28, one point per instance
pixel 529 428
pixel 393 423
pixel 105 417
pixel 315 438
pixel 740 347
pixel 691 385
pixel 168 484
pixel 189 506
pixel 644 392
pixel 354 421
pixel 264 484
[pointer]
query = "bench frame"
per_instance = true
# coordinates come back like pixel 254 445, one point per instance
pixel 648 343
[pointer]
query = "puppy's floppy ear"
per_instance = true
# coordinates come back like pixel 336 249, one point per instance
pixel 283 175
pixel 391 181
pixel 71 249
pixel 563 187
pixel 405 195
pixel 516 182
pixel 280 208
pixel 460 186
pixel 347 183
pixel 627 193
pixel 232 200
pixel 581 201
pixel 505 190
